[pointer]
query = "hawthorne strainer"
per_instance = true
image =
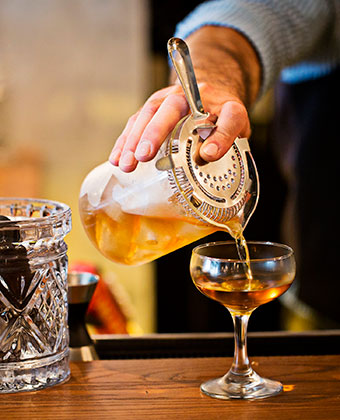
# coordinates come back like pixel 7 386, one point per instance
pixel 213 192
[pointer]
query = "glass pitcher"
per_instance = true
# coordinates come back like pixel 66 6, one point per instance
pixel 136 217
pixel 175 199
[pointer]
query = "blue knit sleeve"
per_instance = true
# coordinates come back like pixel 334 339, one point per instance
pixel 298 38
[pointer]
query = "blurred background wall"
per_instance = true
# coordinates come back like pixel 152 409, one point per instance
pixel 71 73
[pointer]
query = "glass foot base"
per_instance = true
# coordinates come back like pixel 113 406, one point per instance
pixel 250 386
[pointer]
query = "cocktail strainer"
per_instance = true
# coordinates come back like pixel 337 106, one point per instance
pixel 213 192
pixel 175 198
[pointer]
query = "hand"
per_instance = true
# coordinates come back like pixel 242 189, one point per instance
pixel 228 74
pixel 148 128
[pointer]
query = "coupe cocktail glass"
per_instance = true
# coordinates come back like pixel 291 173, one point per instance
pixel 241 287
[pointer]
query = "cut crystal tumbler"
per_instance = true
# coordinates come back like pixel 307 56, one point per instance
pixel 34 336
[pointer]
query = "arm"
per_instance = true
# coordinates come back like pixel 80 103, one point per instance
pixel 229 73
pixel 232 71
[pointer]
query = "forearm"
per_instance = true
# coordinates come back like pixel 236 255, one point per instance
pixel 301 35
pixel 225 59
pixel 233 71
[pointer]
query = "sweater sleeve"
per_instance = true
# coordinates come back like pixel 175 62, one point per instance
pixel 298 38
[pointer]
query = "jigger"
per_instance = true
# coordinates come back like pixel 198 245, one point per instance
pixel 81 287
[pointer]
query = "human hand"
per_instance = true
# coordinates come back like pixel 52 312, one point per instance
pixel 146 130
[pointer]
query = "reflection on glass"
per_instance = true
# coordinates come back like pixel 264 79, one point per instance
pixel 219 274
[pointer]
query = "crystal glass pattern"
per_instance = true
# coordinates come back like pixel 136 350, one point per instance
pixel 34 335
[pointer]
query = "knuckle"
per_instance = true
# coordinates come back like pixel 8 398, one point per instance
pixel 205 88
pixel 176 99
pixel 223 137
pixel 153 133
pixel 151 106
pixel 133 118
pixel 237 109
pixel 161 93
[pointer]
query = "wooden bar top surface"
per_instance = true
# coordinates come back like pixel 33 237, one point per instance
pixel 169 389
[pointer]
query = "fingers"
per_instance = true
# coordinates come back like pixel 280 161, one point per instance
pixel 127 161
pixel 148 128
pixel 123 152
pixel 169 113
pixel 119 145
pixel 233 121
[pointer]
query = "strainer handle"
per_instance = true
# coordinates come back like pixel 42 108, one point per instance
pixel 180 57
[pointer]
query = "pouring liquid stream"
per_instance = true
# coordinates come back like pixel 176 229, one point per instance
pixel 133 239
pixel 236 230
pixel 243 252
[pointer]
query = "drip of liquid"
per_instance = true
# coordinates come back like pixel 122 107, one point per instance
pixel 243 252
pixel 236 230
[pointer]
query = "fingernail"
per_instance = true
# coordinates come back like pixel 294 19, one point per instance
pixel 143 149
pixel 210 150
pixel 127 159
pixel 114 157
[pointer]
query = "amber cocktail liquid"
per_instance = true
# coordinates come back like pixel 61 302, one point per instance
pixel 134 239
pixel 241 295
pixel 174 199
pixel 120 229
pixel 219 273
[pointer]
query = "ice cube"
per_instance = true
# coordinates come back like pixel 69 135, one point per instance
pixel 147 192
pixel 95 183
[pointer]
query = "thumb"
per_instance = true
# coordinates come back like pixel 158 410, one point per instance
pixel 233 121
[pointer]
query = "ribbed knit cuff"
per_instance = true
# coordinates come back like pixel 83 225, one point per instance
pixel 282 31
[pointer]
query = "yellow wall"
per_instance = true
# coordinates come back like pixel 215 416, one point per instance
pixel 71 73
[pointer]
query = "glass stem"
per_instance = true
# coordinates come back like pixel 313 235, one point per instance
pixel 241 365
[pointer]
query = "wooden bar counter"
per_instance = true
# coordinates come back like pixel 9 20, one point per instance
pixel 169 389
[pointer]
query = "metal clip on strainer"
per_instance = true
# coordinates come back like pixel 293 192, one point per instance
pixel 214 192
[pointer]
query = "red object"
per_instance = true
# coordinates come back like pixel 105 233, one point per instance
pixel 104 312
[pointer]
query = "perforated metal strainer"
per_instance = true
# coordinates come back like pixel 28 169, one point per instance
pixel 214 192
